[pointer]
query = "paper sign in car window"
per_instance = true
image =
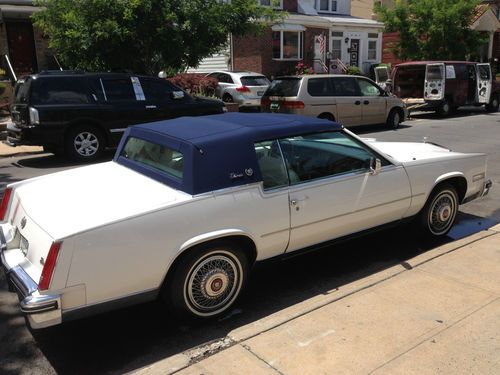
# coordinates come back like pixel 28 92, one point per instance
pixel 139 93
pixel 450 72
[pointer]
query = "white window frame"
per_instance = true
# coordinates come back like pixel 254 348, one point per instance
pixel 376 40
pixel 318 6
pixel 339 38
pixel 300 49
pixel 278 6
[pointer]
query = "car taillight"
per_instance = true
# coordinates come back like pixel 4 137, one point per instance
pixel 242 89
pixel 292 104
pixel 49 265
pixel 34 118
pixel 5 203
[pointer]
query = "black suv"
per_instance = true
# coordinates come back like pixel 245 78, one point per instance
pixel 79 114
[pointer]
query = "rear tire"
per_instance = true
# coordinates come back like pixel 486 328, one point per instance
pixel 327 116
pixel 394 119
pixel 492 106
pixel 207 281
pixel 227 98
pixel 84 143
pixel 440 211
pixel 445 109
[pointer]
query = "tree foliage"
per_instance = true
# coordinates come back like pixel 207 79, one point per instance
pixel 432 29
pixel 145 36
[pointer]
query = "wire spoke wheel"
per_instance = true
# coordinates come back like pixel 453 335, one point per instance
pixel 442 212
pixel 213 283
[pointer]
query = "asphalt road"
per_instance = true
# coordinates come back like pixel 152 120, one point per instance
pixel 129 339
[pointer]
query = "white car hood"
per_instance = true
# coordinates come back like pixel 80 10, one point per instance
pixel 79 199
pixel 411 151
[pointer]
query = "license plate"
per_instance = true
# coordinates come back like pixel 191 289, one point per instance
pixel 274 106
pixel 260 93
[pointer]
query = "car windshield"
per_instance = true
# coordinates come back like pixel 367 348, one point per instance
pixel 154 155
pixel 284 87
pixel 254 81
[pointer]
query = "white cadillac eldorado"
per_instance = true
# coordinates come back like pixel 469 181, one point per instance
pixel 188 205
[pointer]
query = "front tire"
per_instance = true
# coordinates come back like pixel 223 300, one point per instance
pixel 84 143
pixel 440 211
pixel 394 119
pixel 207 281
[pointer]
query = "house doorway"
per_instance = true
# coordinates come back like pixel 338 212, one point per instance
pixel 21 43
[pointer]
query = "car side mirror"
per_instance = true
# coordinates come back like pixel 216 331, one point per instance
pixel 375 166
pixel 176 95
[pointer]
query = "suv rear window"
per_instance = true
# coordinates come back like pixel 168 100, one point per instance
pixel 59 91
pixel 254 81
pixel 284 87
pixel 22 91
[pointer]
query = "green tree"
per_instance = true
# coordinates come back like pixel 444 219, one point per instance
pixel 432 29
pixel 145 36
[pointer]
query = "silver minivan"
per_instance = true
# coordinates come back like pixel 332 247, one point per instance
pixel 349 100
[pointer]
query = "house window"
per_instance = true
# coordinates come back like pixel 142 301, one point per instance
pixel 268 3
pixel 288 45
pixel 336 51
pixel 327 6
pixel 372 46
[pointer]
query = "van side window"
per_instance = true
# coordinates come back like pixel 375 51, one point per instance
pixel 367 88
pixel 344 86
pixel 119 89
pixel 319 87
pixel 60 91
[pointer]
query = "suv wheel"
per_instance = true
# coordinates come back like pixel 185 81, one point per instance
pixel 84 143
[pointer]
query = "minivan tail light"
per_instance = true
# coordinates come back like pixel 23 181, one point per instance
pixel 49 265
pixel 292 104
pixel 242 89
pixel 5 203
pixel 34 118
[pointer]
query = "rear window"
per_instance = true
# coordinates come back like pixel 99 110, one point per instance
pixel 434 72
pixel 284 87
pixel 59 91
pixel 155 156
pixel 22 91
pixel 254 81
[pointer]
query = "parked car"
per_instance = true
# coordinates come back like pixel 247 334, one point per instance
pixel 79 114
pixel 244 88
pixel 350 100
pixel 444 86
pixel 188 205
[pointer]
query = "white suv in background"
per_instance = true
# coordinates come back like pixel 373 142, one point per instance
pixel 244 88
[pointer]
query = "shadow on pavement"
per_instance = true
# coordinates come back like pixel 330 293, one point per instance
pixel 135 337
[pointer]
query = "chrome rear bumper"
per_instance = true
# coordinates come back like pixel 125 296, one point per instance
pixel 41 310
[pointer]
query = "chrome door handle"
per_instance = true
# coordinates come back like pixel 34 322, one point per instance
pixel 366 102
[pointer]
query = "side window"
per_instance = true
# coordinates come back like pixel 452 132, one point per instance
pixel 316 156
pixel 157 90
pixel 271 164
pixel 118 89
pixel 319 87
pixel 344 86
pixel 226 78
pixel 60 91
pixel 367 88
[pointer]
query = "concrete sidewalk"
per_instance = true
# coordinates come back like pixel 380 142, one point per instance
pixel 6 151
pixel 436 313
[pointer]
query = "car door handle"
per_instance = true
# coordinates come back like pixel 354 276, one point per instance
pixel 150 107
pixel 357 102
pixel 366 102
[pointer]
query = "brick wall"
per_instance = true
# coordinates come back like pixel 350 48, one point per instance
pixel 389 40
pixel 254 53
pixel 43 52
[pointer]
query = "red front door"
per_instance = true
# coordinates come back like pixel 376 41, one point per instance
pixel 21 47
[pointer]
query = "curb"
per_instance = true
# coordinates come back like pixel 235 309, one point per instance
pixel 185 359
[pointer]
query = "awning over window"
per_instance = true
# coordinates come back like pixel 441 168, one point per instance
pixel 17 11
pixel 288 27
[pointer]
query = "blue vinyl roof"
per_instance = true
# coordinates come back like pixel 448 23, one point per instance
pixel 215 148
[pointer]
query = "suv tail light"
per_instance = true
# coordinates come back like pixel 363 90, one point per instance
pixel 5 203
pixel 242 89
pixel 49 265
pixel 292 104
pixel 34 118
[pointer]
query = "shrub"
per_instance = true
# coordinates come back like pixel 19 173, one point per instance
pixel 195 84
pixel 302 68
pixel 354 70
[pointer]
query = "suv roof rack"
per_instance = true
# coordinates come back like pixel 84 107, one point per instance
pixel 60 72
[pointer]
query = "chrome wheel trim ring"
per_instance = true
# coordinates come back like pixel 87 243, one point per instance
pixel 442 212
pixel 86 144
pixel 213 283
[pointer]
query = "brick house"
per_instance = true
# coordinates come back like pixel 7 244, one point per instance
pixel 25 45
pixel 354 41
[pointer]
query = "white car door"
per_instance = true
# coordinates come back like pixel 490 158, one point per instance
pixel 484 82
pixel 435 81
pixel 333 192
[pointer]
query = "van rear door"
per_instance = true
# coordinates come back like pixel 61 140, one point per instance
pixel 381 75
pixel 484 82
pixel 435 81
